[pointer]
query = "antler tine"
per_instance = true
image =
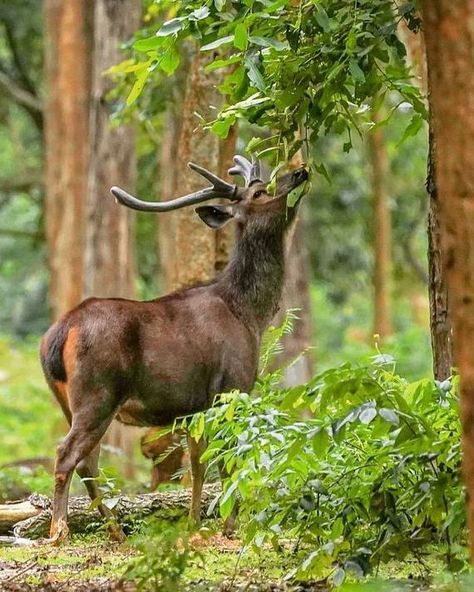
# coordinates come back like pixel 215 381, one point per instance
pixel 256 170
pixel 220 188
pixel 217 183
pixel 250 171
pixel 242 167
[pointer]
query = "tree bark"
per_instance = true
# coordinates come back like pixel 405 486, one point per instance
pixel 195 246
pixel 440 324
pixel 68 57
pixel 449 37
pixel 109 257
pixel 109 268
pixel 296 359
pixel 382 231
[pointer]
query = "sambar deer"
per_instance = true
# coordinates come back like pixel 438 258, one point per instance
pixel 147 363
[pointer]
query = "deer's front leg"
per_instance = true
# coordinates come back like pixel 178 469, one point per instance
pixel 198 470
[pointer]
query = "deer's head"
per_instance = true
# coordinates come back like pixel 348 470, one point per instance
pixel 252 205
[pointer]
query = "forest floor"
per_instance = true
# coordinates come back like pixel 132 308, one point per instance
pixel 91 563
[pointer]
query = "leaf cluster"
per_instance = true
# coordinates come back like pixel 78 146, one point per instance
pixel 372 475
pixel 287 63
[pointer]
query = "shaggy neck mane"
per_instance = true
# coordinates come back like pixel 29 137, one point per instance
pixel 252 283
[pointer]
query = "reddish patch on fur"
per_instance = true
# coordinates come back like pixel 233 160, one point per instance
pixel 70 351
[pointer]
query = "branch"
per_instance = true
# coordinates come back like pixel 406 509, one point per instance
pixel 21 234
pixel 19 94
pixel 26 183
pixel 18 60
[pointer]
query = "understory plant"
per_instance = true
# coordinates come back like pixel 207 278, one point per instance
pixel 354 468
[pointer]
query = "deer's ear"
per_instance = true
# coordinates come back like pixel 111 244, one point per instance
pixel 215 216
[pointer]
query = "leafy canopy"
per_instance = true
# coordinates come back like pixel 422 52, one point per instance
pixel 287 64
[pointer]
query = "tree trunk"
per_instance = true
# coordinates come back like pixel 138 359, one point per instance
pixel 382 231
pixel 109 268
pixel 296 359
pixel 440 324
pixel 449 37
pixel 195 247
pixel 68 45
pixel 109 257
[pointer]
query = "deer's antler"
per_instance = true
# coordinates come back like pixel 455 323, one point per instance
pixel 220 188
pixel 250 171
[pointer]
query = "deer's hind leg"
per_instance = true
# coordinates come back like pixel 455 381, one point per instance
pixel 92 413
pixel 88 470
pixel 198 470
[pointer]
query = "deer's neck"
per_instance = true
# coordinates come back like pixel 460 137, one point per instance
pixel 252 283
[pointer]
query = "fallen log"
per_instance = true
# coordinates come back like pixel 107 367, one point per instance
pixel 31 518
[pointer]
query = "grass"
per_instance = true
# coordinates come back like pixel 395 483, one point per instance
pixel 94 559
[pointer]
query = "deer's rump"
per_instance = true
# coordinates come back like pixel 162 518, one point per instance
pixel 156 365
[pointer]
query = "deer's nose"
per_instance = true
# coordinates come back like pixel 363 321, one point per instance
pixel 300 175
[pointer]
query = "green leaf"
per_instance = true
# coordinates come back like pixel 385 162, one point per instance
pixel 170 61
pixel 320 443
pixel 111 502
pixel 200 13
pixel 227 501
pixel 241 37
pixel 268 42
pixel 275 6
pixel 218 43
pixel 338 577
pixel 219 63
pixel 219 4
pixel 412 128
pixel 148 44
pixel 389 415
pixel 322 17
pixel 138 86
pixel 170 27
pixel 294 196
pixel 356 71
pixel 368 415
pixel 254 73
pixel 221 127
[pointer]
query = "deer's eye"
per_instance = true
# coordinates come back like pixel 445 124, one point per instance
pixel 259 193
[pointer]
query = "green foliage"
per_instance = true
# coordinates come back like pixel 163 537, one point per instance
pixel 373 474
pixel 343 329
pixel 28 414
pixel 313 62
pixel 164 554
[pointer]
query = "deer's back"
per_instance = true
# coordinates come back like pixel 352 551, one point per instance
pixel 161 359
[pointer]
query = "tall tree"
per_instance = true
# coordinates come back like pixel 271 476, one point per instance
pixel 109 257
pixel 449 37
pixel 109 267
pixel 296 358
pixel 197 252
pixel 440 322
pixel 68 45
pixel 382 229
